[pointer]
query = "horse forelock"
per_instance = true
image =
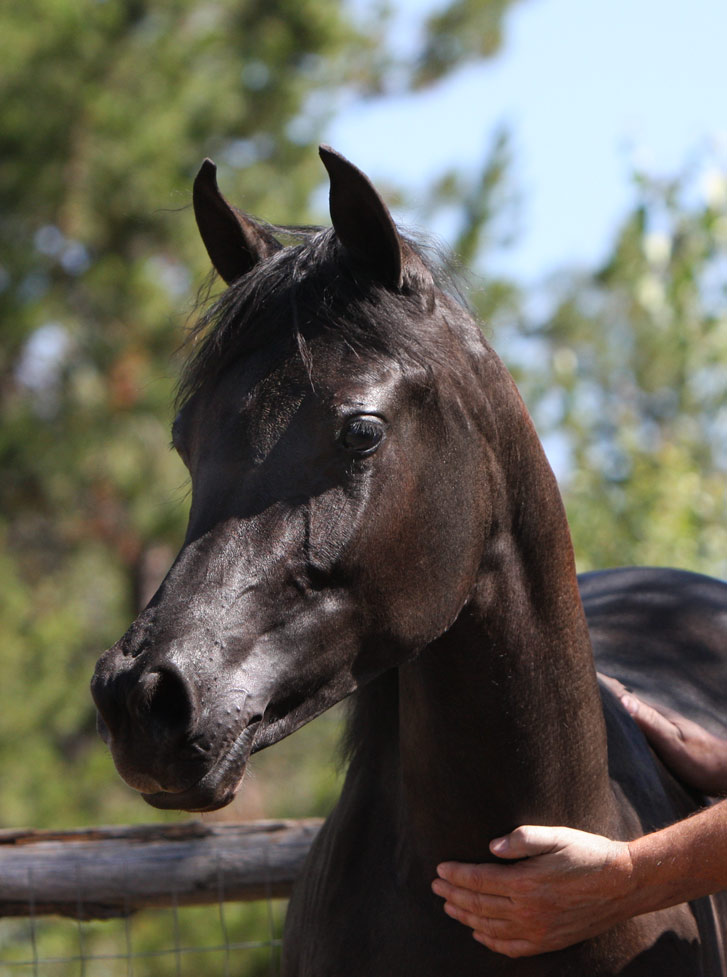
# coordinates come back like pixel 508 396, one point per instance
pixel 310 287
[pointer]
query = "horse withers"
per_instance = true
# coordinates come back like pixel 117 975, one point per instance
pixel 372 513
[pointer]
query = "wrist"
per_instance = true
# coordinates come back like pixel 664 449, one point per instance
pixel 627 887
pixel 684 861
pixel 657 878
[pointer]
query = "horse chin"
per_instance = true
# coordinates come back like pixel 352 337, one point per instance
pixel 218 787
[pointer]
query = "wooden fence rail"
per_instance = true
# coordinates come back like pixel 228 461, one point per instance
pixel 100 873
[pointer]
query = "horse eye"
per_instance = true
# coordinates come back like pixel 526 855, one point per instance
pixel 362 435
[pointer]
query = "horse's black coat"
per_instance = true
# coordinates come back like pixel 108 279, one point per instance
pixel 372 512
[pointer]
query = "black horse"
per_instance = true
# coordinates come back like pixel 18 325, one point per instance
pixel 372 512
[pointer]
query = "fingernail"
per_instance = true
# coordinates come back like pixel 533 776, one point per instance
pixel 630 704
pixel 498 845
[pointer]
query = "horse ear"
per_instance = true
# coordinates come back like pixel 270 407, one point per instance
pixel 361 219
pixel 234 242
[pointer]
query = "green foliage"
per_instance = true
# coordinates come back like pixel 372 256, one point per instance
pixel 461 32
pixel 632 373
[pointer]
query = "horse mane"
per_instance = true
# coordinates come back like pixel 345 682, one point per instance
pixel 310 286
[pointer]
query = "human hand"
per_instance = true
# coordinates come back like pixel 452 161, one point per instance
pixel 571 886
pixel 696 756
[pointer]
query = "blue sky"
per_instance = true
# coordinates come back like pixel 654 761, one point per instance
pixel 590 88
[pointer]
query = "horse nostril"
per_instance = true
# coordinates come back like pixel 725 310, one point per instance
pixel 168 701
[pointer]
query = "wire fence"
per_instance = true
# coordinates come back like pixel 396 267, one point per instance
pixel 128 900
pixel 164 943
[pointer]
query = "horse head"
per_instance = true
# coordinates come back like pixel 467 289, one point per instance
pixel 339 494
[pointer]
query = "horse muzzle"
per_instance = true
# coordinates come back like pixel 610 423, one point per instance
pixel 218 786
pixel 181 743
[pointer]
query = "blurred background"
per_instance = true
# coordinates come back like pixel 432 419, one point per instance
pixel 574 158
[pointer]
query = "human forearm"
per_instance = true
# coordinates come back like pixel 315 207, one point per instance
pixel 681 862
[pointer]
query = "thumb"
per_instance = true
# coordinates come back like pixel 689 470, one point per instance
pixel 527 841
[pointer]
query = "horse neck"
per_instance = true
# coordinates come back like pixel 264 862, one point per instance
pixel 500 720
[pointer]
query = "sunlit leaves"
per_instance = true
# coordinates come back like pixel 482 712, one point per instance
pixel 458 33
pixel 637 368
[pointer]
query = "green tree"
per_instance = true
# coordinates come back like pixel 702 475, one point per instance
pixel 630 371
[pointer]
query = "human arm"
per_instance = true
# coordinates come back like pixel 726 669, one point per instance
pixel 573 885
